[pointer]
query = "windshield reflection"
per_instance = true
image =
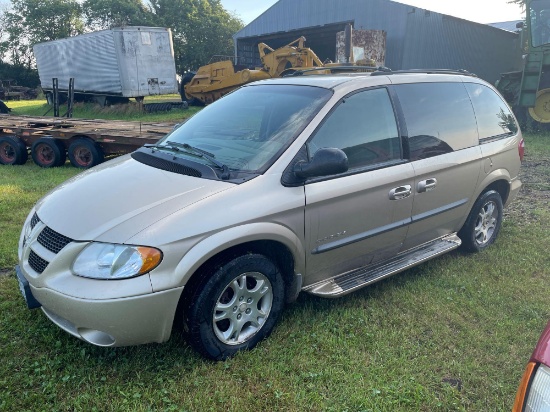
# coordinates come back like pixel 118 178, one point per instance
pixel 249 128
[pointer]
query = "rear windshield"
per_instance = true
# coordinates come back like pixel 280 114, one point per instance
pixel 249 128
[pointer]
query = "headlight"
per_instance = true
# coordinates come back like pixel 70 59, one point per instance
pixel 109 261
pixel 534 395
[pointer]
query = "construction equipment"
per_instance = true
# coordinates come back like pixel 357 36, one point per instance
pixel 528 90
pixel 216 79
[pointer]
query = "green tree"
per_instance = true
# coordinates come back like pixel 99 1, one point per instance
pixel 520 2
pixel 200 29
pixel 104 14
pixel 29 22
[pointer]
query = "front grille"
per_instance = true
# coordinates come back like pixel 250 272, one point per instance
pixel 34 221
pixel 37 263
pixel 52 240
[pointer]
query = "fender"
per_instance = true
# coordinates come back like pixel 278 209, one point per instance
pixel 224 240
pixel 493 176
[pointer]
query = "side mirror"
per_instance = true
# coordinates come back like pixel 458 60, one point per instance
pixel 325 162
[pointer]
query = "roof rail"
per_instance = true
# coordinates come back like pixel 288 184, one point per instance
pixel 384 71
pixel 332 69
pixel 372 70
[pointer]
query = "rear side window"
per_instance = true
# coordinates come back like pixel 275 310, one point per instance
pixel 363 125
pixel 494 118
pixel 439 117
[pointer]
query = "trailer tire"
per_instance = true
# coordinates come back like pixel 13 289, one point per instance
pixel 12 151
pixel 84 153
pixel 48 152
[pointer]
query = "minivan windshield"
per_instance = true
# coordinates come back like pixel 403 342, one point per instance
pixel 247 129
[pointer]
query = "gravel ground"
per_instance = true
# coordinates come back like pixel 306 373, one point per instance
pixel 535 191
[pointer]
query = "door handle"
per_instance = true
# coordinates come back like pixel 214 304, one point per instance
pixel 426 185
pixel 400 192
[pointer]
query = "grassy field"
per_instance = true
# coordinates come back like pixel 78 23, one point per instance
pixel 453 334
pixel 130 111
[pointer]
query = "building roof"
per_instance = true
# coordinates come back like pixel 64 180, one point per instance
pixel 506 25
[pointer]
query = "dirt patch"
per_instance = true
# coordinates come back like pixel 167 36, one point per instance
pixel 535 191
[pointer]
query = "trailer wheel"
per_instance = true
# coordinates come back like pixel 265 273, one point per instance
pixel 47 152
pixel 84 153
pixel 12 151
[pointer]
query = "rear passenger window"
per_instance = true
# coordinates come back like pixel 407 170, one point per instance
pixel 439 117
pixel 494 118
pixel 364 127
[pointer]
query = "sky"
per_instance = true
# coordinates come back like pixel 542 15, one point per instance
pixel 480 11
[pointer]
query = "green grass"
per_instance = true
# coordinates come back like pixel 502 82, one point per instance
pixel 130 111
pixel 453 334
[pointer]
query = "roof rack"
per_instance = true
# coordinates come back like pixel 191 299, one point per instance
pixel 384 71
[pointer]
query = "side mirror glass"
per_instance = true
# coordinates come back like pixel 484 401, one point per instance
pixel 325 162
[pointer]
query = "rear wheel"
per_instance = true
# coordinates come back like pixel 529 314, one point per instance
pixel 48 153
pixel 236 307
pixel 483 224
pixel 84 153
pixel 12 151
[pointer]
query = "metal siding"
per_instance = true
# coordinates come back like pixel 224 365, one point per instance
pixel 507 25
pixel 416 38
pixel 101 63
pixel 438 41
pixel 90 58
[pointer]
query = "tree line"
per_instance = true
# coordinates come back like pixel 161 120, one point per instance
pixel 200 28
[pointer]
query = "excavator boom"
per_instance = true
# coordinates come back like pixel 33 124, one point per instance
pixel 214 80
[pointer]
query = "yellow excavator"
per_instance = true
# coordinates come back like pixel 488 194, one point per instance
pixel 216 79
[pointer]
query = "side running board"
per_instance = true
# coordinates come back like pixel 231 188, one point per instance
pixel 356 279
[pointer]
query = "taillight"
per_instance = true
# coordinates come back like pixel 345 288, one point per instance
pixel 521 149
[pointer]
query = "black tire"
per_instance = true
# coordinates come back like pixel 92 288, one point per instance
pixel 483 224
pixel 84 153
pixel 192 101
pixel 12 151
pixel 250 288
pixel 47 152
pixel 186 78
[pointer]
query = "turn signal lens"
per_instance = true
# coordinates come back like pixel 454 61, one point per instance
pixel 522 390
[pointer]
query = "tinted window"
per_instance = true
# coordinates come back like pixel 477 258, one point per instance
pixel 363 126
pixel 493 114
pixel 439 118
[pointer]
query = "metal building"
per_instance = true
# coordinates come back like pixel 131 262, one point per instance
pixel 416 38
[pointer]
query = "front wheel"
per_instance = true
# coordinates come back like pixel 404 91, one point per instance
pixel 236 308
pixel 484 222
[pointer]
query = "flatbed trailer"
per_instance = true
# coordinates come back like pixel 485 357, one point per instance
pixel 86 142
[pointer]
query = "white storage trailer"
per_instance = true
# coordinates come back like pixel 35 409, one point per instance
pixel 125 62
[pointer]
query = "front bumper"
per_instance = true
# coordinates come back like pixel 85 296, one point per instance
pixel 111 322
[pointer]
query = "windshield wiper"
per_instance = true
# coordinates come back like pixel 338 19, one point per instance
pixel 195 151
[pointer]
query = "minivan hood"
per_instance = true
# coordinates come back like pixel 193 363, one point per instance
pixel 98 200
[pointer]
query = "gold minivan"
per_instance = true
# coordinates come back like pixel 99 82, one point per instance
pixel 322 184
